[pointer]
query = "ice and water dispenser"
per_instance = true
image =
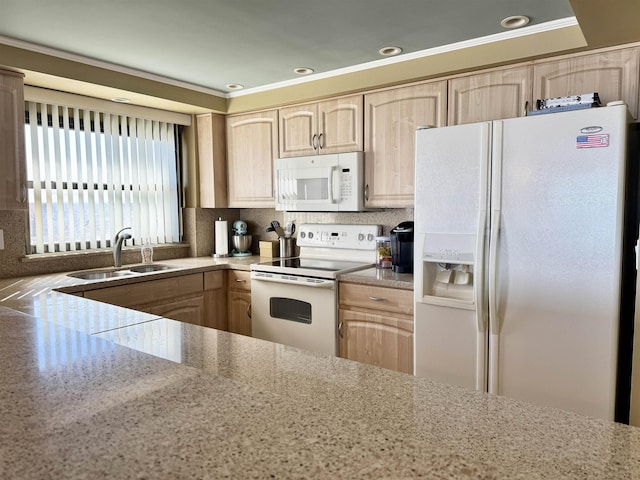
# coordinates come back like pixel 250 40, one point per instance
pixel 447 268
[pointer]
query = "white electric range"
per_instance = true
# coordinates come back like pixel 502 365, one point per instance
pixel 294 301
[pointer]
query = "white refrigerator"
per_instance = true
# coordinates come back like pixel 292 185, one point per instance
pixel 524 258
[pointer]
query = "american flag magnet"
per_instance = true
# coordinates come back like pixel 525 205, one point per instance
pixel 594 140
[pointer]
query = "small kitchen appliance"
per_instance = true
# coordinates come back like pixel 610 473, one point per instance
pixel 321 183
pixel 402 248
pixel 241 240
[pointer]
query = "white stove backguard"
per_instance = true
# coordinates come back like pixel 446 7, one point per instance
pixel 339 242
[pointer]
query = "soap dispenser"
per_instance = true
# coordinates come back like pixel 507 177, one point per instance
pixel 147 251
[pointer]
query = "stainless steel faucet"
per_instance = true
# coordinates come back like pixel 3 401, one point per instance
pixel 117 247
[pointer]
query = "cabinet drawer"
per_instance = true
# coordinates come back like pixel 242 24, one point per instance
pixel 147 292
pixel 239 280
pixel 376 298
pixel 214 280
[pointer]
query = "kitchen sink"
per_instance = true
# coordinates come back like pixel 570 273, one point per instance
pixel 100 274
pixel 123 272
pixel 152 267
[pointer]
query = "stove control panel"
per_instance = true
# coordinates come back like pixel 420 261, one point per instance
pixel 354 237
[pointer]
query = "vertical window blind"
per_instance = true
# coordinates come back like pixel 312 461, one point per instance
pixel 92 173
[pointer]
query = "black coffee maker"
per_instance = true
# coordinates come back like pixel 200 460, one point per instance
pixel 402 248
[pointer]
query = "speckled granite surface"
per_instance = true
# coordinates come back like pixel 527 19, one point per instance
pixel 74 405
pixel 383 277
pixel 104 392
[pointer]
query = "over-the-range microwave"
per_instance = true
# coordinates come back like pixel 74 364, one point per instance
pixel 320 183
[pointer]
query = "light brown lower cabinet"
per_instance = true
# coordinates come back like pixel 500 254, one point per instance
pixel 186 309
pixel 215 300
pixel 194 298
pixel 376 326
pixel 239 302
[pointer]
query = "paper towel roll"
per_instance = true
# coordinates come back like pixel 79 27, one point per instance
pixel 221 238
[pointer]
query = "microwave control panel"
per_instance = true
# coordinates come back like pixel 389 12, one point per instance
pixel 346 184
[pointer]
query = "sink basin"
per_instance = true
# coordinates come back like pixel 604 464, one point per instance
pixel 152 267
pixel 99 274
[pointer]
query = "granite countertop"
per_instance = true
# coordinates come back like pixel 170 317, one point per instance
pixel 89 390
pixel 46 296
pixel 382 277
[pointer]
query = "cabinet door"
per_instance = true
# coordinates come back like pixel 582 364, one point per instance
pixel 298 130
pixel 341 127
pixel 190 309
pixel 373 339
pixel 12 156
pixel 212 162
pixel 215 300
pixel 391 119
pixel 490 96
pixel 239 312
pixel 614 75
pixel 252 146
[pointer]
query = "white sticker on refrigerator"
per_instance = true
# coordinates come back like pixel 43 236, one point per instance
pixel 595 140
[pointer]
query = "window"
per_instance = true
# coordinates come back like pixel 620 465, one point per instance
pixel 92 173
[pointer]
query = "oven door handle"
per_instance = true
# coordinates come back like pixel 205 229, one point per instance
pixel 293 280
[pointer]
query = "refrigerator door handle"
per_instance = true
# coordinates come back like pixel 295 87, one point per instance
pixel 479 273
pixel 481 309
pixel 494 320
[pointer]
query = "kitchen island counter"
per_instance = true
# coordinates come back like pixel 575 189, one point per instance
pixel 89 390
pixel 164 399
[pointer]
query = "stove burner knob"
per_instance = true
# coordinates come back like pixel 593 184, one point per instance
pixel 310 235
pixel 302 235
pixel 370 237
pixel 360 237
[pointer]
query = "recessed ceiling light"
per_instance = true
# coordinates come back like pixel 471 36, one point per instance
pixel 515 21
pixel 120 100
pixel 235 86
pixel 389 51
pixel 303 70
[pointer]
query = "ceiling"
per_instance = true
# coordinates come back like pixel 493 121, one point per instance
pixel 205 45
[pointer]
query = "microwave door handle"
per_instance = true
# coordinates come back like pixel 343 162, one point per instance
pixel 332 172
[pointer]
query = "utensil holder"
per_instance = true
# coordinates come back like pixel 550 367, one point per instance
pixel 286 247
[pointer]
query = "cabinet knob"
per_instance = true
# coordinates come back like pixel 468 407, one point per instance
pixel 378 299
pixel 340 329
pixel 314 141
pixel 366 192
pixel 249 310
pixel 241 280
pixel 321 141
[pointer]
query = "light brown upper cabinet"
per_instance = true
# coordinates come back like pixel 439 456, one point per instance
pixel 391 119
pixel 212 162
pixel 252 147
pixel 490 96
pixel 613 74
pixel 331 126
pixel 13 181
